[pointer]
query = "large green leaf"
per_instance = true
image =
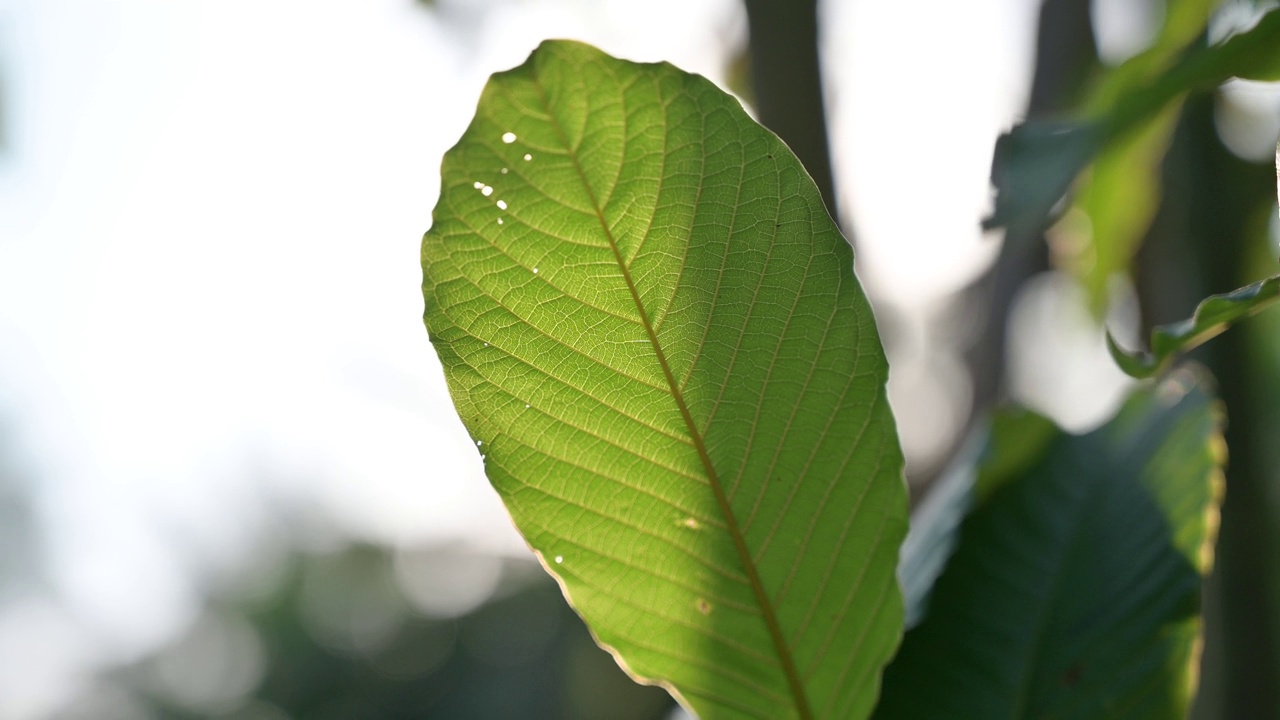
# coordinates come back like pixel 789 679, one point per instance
pixel 1074 588
pixel 651 328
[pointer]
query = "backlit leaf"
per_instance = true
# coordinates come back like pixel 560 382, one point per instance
pixel 652 330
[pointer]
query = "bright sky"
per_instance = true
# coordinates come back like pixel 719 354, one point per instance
pixel 210 214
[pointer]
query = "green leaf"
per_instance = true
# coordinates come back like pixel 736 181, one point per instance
pixel 1264 72
pixel 1037 161
pixel 1034 166
pixel 1014 440
pixel 1120 193
pixel 1116 202
pixel 1184 23
pixel 1251 55
pixel 1074 589
pixel 651 328
pixel 1212 317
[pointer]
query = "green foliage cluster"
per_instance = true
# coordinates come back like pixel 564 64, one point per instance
pixel 653 332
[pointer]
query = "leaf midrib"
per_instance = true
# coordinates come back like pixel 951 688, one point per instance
pixel 1085 506
pixel 786 661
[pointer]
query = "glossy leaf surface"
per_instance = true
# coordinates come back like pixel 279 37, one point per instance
pixel 652 330
pixel 1074 588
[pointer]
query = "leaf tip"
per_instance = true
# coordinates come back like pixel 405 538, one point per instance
pixel 1136 363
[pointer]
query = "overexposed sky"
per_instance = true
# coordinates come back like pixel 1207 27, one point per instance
pixel 210 214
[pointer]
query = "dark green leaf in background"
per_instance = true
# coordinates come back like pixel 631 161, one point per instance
pixel 1074 590
pixel 1013 440
pixel 652 330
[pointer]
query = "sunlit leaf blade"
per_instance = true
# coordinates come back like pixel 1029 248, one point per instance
pixel 1212 318
pixel 1115 202
pixel 1116 199
pixel 652 330
pixel 1074 589
pixel 1037 161
pixel 1183 24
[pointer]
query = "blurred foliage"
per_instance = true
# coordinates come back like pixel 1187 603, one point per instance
pixel 1159 198
pixel 1074 590
pixel 338 640
pixel 1212 317
pixel 1129 114
pixel 1209 228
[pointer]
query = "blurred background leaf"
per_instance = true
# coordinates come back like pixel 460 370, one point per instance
pixel 1074 590
pixel 1123 129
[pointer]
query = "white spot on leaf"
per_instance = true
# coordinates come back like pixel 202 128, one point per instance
pixel 508 137
pixel 502 204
